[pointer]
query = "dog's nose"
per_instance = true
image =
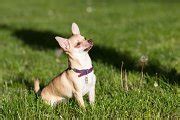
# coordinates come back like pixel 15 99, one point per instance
pixel 90 42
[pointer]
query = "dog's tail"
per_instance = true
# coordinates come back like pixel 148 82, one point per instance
pixel 36 86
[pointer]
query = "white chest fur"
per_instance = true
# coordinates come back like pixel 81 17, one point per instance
pixel 87 82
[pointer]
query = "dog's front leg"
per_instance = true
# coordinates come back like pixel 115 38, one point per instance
pixel 91 95
pixel 92 91
pixel 79 98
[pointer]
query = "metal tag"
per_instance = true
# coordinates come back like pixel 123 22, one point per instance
pixel 86 80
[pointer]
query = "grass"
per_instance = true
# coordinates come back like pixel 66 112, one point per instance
pixel 122 31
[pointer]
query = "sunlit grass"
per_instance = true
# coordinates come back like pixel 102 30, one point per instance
pixel 121 31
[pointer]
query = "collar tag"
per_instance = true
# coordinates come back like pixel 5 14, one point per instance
pixel 86 79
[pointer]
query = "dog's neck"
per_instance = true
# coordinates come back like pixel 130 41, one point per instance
pixel 80 61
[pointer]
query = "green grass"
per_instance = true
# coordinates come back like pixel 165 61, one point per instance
pixel 122 31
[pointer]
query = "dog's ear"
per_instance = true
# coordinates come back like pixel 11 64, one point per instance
pixel 64 43
pixel 75 29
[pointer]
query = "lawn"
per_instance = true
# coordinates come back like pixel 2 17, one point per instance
pixel 121 31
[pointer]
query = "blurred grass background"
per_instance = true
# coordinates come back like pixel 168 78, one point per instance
pixel 121 31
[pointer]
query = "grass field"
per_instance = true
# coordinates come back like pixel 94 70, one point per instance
pixel 121 31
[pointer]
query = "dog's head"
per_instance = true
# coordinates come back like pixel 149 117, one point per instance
pixel 76 44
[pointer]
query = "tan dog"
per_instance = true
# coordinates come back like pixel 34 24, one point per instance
pixel 78 79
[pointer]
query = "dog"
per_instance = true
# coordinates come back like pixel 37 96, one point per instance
pixel 78 79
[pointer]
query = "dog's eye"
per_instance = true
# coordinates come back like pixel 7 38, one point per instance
pixel 78 43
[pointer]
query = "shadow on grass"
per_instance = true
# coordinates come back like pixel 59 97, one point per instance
pixel 38 39
pixel 20 81
pixel 42 40
pixel 112 57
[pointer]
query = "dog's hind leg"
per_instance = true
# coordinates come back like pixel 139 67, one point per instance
pixel 55 101
pixel 50 99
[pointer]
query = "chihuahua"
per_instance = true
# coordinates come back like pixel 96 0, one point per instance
pixel 78 79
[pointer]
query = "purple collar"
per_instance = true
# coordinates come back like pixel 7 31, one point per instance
pixel 82 72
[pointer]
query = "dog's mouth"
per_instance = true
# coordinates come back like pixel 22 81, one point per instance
pixel 90 45
pixel 87 49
